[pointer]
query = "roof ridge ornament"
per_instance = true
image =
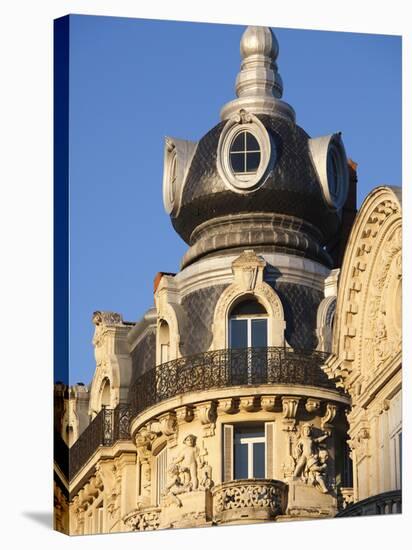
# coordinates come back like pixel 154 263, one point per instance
pixel 259 85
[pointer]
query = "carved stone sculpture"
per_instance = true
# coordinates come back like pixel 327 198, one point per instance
pixel 311 458
pixel 188 472
pixel 188 461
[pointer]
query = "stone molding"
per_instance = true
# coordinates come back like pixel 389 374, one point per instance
pixel 369 293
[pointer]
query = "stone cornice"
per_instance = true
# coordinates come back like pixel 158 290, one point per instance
pixel 236 392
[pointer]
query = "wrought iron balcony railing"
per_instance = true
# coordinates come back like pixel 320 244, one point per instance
pixel 384 503
pixel 109 426
pixel 226 368
pixel 209 370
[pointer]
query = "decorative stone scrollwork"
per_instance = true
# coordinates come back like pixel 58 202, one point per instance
pixel 249 497
pixel 290 408
pixel 367 331
pixel 207 414
pixel 184 414
pixel 149 520
pixel 107 318
pixel 227 406
pixel 347 496
pixel 144 441
pixel 268 403
pixel 312 405
pixel 328 418
pixel 168 426
pixel 113 501
pixel 311 458
pixel 248 404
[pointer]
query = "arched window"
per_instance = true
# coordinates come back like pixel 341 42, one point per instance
pixel 248 340
pixel 164 341
pixel 248 325
pixel 105 399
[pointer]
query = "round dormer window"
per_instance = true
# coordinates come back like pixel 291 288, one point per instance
pixel 245 153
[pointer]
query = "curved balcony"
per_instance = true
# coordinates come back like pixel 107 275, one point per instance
pixel 109 426
pixel 226 368
pixel 384 503
pixel 249 500
pixel 209 370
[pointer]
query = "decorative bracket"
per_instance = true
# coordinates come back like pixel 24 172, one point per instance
pixel 326 421
pixel 290 408
pixel 207 414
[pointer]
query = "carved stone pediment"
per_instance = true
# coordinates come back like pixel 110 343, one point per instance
pixel 248 270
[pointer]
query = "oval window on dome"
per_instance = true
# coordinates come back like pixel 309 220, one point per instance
pixel 244 153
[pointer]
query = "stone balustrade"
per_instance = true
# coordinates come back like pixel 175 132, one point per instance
pixel 249 500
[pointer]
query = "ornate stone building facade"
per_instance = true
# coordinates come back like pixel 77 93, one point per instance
pixel 265 382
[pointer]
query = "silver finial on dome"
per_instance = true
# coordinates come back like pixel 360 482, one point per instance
pixel 259 86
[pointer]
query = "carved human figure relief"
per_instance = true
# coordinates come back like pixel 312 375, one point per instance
pixel 311 458
pixel 188 460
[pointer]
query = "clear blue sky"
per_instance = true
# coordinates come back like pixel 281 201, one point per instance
pixel 133 81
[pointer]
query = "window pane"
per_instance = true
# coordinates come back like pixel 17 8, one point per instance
pixel 259 333
pixel 238 333
pixel 251 143
pixel 259 460
pixel 238 143
pixel 241 463
pixel 248 307
pixel 237 161
pixel 253 161
pixel 246 431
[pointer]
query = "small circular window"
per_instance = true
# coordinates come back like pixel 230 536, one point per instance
pixel 244 153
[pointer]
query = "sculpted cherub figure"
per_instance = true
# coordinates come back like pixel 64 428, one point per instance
pixel 175 487
pixel 310 459
pixel 188 461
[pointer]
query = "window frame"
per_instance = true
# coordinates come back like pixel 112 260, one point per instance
pixel 245 182
pixel 228 449
pixel 244 175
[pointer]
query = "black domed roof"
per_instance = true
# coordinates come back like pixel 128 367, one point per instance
pixel 291 187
